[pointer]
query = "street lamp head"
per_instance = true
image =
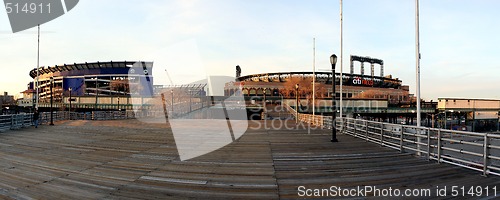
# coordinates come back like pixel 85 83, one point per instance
pixel 70 89
pixel 333 59
pixel 297 86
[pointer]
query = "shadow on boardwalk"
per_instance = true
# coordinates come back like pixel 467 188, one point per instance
pixel 130 160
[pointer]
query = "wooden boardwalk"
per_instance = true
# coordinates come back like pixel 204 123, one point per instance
pixel 131 160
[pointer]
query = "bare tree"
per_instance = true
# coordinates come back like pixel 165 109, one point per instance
pixel 305 88
pixel 121 86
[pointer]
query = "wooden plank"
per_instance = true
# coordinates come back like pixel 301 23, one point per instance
pixel 128 159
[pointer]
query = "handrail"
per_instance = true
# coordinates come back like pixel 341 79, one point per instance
pixel 17 121
pixel 318 120
pixel 471 150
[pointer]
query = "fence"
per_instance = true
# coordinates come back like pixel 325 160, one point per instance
pixel 9 122
pixel 476 151
pixel 318 120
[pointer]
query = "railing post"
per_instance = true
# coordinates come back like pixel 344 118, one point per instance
pixel 354 121
pixel 439 146
pixel 366 130
pixel 428 144
pixel 11 122
pixel 382 134
pixel 485 155
pixel 401 141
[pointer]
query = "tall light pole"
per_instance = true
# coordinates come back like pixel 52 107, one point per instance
pixel 418 61
pixel 51 101
pixel 264 110
pixel 118 103
pixel 297 103
pixel 314 77
pixel 37 68
pixel 417 41
pixel 333 61
pixel 341 58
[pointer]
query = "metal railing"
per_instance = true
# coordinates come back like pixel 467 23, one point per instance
pixel 471 150
pixel 475 151
pixel 11 122
pixel 318 120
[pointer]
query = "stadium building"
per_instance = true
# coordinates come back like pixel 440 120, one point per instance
pixel 97 85
pixel 363 94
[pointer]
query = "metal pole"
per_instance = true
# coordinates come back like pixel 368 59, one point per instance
pixel 51 101
pixel 418 69
pixel 37 67
pixel 314 77
pixel 118 103
pixel 264 110
pixel 445 122
pixel 96 91
pixel 297 103
pixel 69 104
pixel 486 153
pixel 341 58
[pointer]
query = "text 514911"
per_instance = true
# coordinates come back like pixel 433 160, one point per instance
pixel 27 8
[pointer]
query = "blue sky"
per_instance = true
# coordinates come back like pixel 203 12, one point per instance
pixel 192 38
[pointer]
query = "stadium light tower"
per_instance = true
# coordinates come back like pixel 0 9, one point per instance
pixel 333 61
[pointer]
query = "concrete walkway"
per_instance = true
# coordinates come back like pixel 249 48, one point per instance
pixel 131 160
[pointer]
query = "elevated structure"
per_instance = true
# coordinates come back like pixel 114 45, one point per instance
pixel 372 62
pixel 469 114
pixel 193 90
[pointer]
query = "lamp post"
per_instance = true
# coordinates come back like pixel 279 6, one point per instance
pixel 118 103
pixel 172 102
pixel 333 61
pixel 51 101
pixel 296 103
pixel 70 89
pixel 96 93
pixel 264 110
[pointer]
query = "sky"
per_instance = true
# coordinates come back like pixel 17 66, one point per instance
pixel 194 38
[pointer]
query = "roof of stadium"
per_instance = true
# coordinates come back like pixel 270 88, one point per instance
pixel 86 65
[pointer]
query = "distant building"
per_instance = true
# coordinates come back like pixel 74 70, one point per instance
pixel 27 99
pixel 7 100
pixel 480 115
